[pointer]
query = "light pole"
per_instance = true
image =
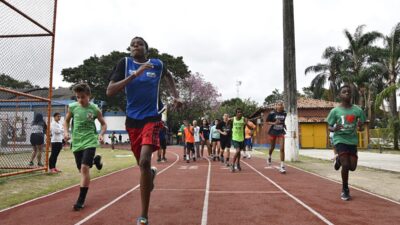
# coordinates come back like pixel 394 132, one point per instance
pixel 290 87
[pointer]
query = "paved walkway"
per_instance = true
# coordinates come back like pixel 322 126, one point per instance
pixel 389 162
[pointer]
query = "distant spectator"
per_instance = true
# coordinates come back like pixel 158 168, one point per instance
pixel 38 129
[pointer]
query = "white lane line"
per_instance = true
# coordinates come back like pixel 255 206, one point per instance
pixel 72 186
pixel 292 196
pixel 206 196
pixel 218 192
pixel 123 195
pixel 359 189
pixel 326 178
pixel 246 192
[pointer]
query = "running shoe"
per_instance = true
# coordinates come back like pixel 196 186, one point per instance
pixel 53 171
pixel 31 163
pixel 40 164
pixel 57 170
pixel 336 163
pixel 345 196
pixel 154 174
pixel 142 221
pixel 222 159
pixel 97 162
pixel 233 168
pixel 194 159
pixel 238 167
pixel 248 155
pixel 269 161
pixel 282 169
pixel 158 160
pixel 78 206
pixel 164 159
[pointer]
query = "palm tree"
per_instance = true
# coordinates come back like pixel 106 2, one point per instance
pixel 327 72
pixel 357 55
pixel 388 58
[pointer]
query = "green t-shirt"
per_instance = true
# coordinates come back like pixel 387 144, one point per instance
pixel 238 130
pixel 349 119
pixel 84 133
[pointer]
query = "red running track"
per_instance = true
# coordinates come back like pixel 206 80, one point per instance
pixel 205 192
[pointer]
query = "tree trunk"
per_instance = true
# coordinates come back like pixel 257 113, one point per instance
pixel 395 116
pixel 289 64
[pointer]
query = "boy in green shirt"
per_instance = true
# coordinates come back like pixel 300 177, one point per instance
pixel 238 125
pixel 84 137
pixel 344 121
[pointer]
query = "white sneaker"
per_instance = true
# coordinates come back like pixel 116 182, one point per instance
pixel 282 169
pixel 248 155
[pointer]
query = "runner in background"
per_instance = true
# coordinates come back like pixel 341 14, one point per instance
pixel 205 138
pixel 196 133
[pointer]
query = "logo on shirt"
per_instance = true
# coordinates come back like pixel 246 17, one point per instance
pixel 151 74
pixel 90 116
pixel 350 118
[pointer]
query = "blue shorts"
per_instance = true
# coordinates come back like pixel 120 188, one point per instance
pixel 247 142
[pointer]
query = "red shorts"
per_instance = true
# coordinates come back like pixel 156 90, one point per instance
pixel 274 137
pixel 147 135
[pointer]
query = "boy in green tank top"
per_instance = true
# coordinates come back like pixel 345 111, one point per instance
pixel 238 129
pixel 84 137
pixel 344 121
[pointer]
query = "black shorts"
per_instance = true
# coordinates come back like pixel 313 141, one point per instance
pixel 238 145
pixel 215 140
pixel 37 139
pixel 225 143
pixel 84 157
pixel 346 149
pixel 163 144
pixel 190 146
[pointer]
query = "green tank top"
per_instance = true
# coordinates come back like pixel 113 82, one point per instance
pixel 238 130
pixel 84 133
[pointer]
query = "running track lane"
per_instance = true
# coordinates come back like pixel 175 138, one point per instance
pixel 57 208
pixel 323 195
pixel 177 198
pixel 247 198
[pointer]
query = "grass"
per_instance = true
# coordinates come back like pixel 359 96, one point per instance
pixel 17 189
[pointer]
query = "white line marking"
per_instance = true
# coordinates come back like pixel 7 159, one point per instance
pixel 206 196
pixel 123 195
pixel 53 193
pixel 335 181
pixel 246 192
pixel 292 196
pixel 326 178
pixel 220 192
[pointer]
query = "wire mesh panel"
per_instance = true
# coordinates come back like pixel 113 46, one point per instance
pixel 27 32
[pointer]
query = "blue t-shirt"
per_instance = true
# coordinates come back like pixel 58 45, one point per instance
pixel 142 93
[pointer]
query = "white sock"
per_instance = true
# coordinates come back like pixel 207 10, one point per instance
pixel 282 165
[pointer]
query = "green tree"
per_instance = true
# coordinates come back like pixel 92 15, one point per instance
pixel 355 71
pixel 95 71
pixel 330 71
pixel 388 58
pixel 274 97
pixel 9 82
pixel 229 106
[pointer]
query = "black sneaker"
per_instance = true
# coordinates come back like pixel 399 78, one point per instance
pixel 31 163
pixel 336 163
pixel 78 206
pixel 239 168
pixel 345 196
pixel 158 160
pixel 184 157
pixel 214 158
pixel 97 162
pixel 194 159
pixel 222 159
pixel 154 173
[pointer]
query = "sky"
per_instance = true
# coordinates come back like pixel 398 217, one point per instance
pixel 225 40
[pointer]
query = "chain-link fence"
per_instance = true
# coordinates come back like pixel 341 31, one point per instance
pixel 27 32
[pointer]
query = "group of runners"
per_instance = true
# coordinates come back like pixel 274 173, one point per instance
pixel 140 78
